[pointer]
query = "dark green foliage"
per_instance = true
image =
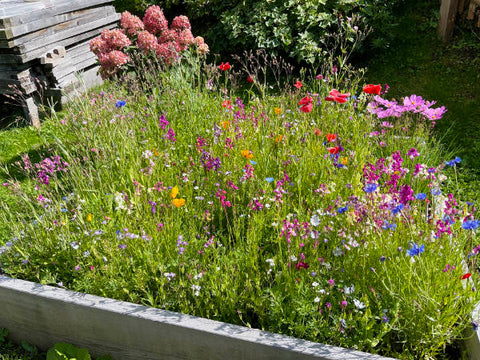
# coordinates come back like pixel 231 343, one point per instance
pixel 302 30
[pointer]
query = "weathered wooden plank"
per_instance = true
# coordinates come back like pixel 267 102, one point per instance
pixel 471 10
pixel 15 31
pixel 69 33
pixel 41 37
pixel 60 7
pixel 24 58
pixel 51 34
pixel 448 11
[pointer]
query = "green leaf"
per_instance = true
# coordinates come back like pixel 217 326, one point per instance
pixel 67 351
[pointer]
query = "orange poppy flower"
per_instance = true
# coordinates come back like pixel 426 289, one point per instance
pixel 278 138
pixel 174 192
pixel 247 154
pixel 225 124
pixel 178 202
pixel 277 111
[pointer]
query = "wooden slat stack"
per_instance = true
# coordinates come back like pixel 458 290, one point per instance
pixel 46 43
pixel 448 13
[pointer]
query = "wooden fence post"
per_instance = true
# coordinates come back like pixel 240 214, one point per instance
pixel 448 11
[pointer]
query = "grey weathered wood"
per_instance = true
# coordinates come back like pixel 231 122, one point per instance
pixel 47 9
pixel 44 315
pixel 22 29
pixel 448 11
pixel 23 58
pixel 49 34
pixel 31 112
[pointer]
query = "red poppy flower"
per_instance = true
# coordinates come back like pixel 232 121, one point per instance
pixel 298 84
pixel 337 99
pixel 318 132
pixel 306 100
pixel 306 108
pixel 250 79
pixel 336 93
pixel 224 67
pixel 331 137
pixel 372 89
pixel 333 150
pixel 227 104
pixel 465 276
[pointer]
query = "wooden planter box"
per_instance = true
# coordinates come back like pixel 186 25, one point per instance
pixel 44 315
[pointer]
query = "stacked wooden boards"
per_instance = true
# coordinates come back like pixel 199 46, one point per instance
pixel 45 43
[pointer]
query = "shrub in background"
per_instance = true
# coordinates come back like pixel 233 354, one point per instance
pixel 300 29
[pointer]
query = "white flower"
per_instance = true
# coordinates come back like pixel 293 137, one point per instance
pixel 358 304
pixel 315 220
pixel 270 262
pixel 74 245
pixel 315 284
pixel 349 290
pixel 293 258
pixel 317 299
pixel 196 289
pixel 199 276
pixel 321 291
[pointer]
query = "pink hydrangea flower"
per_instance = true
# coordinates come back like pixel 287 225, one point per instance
pixel 180 23
pixel 131 23
pixel 167 36
pixel 147 41
pixel 115 39
pixel 155 20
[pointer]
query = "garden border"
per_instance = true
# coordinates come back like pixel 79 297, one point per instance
pixel 44 315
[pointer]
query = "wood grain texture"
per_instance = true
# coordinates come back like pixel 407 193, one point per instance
pixel 44 315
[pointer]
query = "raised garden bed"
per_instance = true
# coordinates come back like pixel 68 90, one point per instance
pixel 44 315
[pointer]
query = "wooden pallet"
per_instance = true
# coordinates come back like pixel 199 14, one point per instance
pixel 448 13
pixel 47 42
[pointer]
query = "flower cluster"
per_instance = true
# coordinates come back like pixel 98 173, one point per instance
pixel 150 36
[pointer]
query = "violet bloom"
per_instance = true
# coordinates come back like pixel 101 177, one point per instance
pixel 163 122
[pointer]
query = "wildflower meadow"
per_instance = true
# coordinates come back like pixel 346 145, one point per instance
pixel 314 207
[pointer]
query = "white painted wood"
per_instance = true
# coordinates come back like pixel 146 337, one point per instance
pixel 44 315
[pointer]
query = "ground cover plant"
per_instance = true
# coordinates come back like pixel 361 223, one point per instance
pixel 312 207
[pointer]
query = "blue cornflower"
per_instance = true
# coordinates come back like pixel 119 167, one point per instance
pixel 397 209
pixel 342 209
pixel 435 191
pixel 416 250
pixel 120 103
pixel 458 160
pixel 470 224
pixel 450 163
pixel 369 188
pixel 253 162
pixel 421 196
pixel 386 225
pixel 269 179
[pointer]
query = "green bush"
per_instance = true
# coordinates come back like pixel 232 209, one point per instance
pixel 303 30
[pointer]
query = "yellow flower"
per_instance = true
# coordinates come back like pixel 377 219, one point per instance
pixel 277 111
pixel 89 217
pixel 178 202
pixel 174 192
pixel 344 160
pixel 155 151
pixel 247 154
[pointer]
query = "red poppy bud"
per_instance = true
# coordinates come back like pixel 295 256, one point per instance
pixel 250 79
pixel 372 89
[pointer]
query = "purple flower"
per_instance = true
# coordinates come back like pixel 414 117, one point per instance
pixel 163 122
pixel 120 103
